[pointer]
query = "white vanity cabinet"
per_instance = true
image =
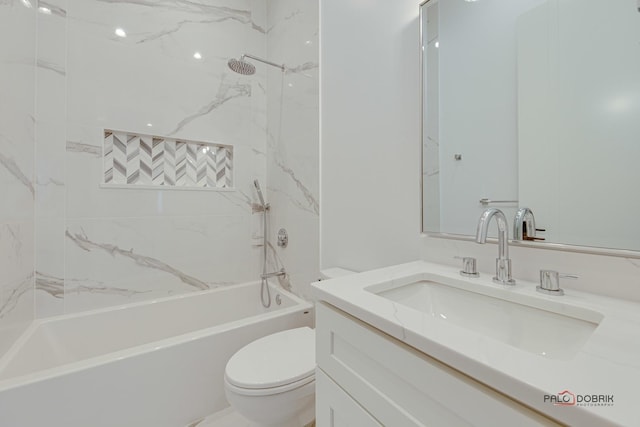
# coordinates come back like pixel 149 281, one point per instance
pixel 367 378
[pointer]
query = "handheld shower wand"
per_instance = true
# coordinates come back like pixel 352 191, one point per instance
pixel 256 184
pixel 265 295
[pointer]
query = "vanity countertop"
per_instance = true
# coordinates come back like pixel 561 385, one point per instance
pixel 607 364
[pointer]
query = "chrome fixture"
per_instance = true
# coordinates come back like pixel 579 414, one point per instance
pixel 550 282
pixel 265 205
pixel 503 263
pixel 265 295
pixel 524 224
pixel 283 238
pixel 241 66
pixel 469 268
pixel 487 202
pixel 280 272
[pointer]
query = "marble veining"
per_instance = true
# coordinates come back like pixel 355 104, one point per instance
pixel 239 198
pixel 83 242
pixel 49 181
pixel 634 262
pixel 52 285
pixel 10 165
pixel 242 16
pixel 179 25
pixel 80 147
pixel 226 93
pixel 55 10
pixel 312 204
pixel 101 289
pixel 51 66
pixel 288 17
pixel 11 298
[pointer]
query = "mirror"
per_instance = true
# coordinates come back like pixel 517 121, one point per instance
pixel 533 103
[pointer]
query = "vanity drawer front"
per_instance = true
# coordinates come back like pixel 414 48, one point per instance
pixel 401 386
pixel 335 408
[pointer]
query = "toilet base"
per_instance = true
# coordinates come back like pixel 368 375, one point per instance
pixel 294 408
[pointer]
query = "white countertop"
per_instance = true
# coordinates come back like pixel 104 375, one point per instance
pixel 607 364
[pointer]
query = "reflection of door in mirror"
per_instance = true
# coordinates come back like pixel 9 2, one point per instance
pixel 430 111
pixel 579 120
pixel 533 101
pixel 473 117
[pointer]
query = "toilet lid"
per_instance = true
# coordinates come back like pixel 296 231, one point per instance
pixel 275 360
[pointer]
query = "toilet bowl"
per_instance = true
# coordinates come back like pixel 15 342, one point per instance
pixel 271 381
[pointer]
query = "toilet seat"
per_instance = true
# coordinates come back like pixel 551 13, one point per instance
pixel 269 391
pixel 273 364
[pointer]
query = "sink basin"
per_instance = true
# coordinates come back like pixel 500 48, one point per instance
pixel 541 331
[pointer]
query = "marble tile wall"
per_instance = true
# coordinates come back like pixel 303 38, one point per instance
pixel 293 139
pixel 17 133
pixel 101 246
pixel 79 245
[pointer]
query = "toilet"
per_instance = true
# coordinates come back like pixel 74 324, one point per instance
pixel 271 381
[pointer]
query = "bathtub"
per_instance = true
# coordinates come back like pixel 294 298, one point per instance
pixel 150 364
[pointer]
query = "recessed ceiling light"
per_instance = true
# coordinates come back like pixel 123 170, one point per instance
pixel 197 55
pixel 149 125
pixel 120 32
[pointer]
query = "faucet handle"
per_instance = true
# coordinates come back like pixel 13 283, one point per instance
pixel 469 268
pixel 550 282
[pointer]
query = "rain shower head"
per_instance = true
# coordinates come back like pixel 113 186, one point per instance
pixel 241 66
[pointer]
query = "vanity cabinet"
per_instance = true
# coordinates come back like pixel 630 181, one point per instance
pixel 335 408
pixel 368 378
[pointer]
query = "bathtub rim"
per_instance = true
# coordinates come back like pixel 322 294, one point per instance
pixel 91 362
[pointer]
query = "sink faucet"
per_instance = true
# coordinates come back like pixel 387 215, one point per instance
pixel 503 263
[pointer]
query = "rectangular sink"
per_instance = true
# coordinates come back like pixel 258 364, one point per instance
pixel 543 332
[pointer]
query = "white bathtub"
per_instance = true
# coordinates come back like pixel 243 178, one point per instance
pixel 151 364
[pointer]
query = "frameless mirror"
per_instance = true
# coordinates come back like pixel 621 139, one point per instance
pixel 533 103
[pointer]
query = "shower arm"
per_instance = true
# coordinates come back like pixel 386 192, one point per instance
pixel 264 61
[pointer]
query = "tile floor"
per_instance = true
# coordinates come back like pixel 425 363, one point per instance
pixel 227 418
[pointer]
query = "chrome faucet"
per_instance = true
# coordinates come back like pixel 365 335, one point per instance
pixel 503 263
pixel 524 225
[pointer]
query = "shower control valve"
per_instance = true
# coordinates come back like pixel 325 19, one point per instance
pixel 283 238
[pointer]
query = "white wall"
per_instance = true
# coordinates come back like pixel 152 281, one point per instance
pixel 370 133
pixel 370 148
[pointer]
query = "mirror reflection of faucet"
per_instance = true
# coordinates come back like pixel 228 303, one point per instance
pixel 524 225
pixel 503 263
